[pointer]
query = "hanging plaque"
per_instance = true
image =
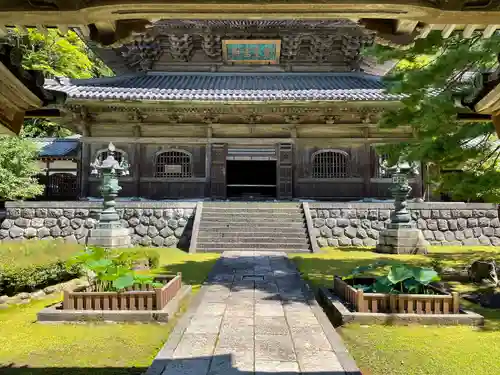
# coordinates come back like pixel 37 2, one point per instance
pixel 173 169
pixel 251 51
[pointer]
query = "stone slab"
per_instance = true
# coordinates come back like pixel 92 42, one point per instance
pixel 274 348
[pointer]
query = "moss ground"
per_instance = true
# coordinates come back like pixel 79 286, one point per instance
pixel 414 350
pixel 30 348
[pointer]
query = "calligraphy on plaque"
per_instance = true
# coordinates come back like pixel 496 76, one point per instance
pixel 251 51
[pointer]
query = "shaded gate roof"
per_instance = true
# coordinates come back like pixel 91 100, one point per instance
pixel 228 86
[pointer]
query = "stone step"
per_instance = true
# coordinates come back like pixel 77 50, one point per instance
pixel 228 213
pixel 260 232
pixel 275 205
pixel 253 245
pixel 252 226
pixel 228 239
pixel 280 250
pixel 243 218
pixel 251 210
pixel 218 235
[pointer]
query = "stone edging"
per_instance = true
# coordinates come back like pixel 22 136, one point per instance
pixel 98 204
pixel 23 298
pixel 53 314
pixel 343 315
pixel 411 205
pixel 166 352
pixel 345 359
pixel 310 226
pixel 193 243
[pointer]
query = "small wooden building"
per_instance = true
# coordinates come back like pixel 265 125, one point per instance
pixel 238 109
pixel 59 162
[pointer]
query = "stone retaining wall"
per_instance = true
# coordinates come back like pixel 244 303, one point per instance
pixel 169 224
pixel 161 224
pixel 359 224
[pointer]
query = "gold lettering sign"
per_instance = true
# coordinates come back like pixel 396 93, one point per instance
pixel 250 51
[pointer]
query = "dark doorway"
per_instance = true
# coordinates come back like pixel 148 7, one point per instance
pixel 251 179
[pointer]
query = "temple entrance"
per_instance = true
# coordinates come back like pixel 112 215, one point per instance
pixel 251 179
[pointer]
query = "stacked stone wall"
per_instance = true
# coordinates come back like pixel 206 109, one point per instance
pixel 359 224
pixel 149 223
pixel 169 224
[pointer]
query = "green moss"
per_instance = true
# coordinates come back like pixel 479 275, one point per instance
pixel 415 350
pixel 108 349
pixel 36 252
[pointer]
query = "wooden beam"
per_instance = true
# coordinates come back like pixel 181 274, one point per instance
pixel 469 30
pixel 241 141
pixel 496 122
pixel 448 30
pixel 489 30
pixel 405 26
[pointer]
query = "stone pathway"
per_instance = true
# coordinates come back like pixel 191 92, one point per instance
pixel 254 315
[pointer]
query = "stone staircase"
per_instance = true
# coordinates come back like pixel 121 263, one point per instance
pixel 252 226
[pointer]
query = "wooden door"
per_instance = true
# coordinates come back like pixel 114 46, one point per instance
pixel 218 171
pixel 285 174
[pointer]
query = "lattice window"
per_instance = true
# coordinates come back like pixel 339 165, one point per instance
pixel 103 154
pixel 174 164
pixel 382 172
pixel 62 185
pixel 330 164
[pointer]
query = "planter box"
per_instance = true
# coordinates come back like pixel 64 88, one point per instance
pixel 442 303
pixel 341 313
pixel 137 298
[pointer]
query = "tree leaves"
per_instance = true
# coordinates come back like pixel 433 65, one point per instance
pixel 55 55
pixel 18 169
pixel 430 75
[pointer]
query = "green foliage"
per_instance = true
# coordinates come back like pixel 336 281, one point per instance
pixel 109 270
pixel 18 169
pixel 31 265
pixel 15 279
pixel 431 75
pixel 401 278
pixel 55 55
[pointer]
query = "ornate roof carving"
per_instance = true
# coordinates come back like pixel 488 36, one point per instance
pixel 169 44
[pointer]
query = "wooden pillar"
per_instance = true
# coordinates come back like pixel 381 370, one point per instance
pixel 285 168
pixel 85 170
pixel 136 174
pixel 367 160
pixel 47 176
pixel 218 171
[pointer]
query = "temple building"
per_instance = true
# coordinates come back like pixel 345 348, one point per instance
pixel 237 109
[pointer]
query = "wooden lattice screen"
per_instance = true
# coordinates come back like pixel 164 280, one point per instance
pixel 62 185
pixel 176 164
pixel 330 164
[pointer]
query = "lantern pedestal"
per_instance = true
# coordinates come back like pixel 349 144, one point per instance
pixel 401 239
pixel 111 238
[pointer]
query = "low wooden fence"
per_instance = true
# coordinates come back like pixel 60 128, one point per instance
pixel 138 297
pixel 397 303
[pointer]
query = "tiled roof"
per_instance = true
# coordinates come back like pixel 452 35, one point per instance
pixel 57 147
pixel 228 86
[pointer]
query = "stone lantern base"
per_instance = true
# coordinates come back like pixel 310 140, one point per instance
pixel 109 237
pixel 401 239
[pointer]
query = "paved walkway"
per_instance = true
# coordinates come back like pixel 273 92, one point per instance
pixel 254 315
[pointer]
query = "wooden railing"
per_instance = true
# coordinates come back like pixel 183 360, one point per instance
pixel 397 303
pixel 138 297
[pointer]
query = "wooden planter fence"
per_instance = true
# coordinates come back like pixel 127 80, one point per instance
pixel 397 303
pixel 138 297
